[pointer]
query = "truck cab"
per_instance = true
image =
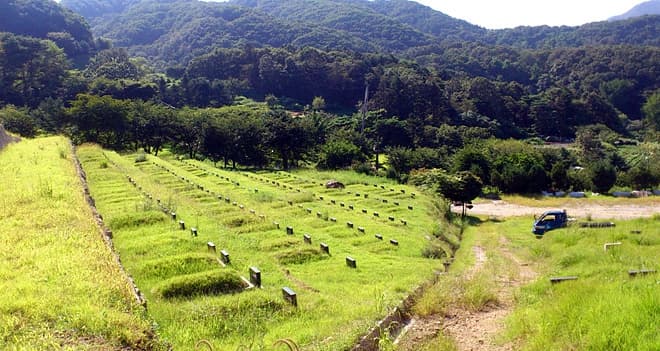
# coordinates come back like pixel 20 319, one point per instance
pixel 550 220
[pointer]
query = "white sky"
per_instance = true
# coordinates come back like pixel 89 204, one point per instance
pixel 496 14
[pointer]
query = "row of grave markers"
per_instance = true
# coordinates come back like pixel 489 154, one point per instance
pixel 255 273
pixel 321 197
pixel 309 210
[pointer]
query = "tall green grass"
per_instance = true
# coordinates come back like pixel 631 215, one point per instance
pixel 61 288
pixel 604 309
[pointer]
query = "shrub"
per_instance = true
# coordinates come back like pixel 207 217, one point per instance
pixel 17 120
pixel 603 176
pixel 339 154
pixel 433 250
pixel 579 180
pixel 205 283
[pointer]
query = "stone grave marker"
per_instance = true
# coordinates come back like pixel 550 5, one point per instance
pixel 255 276
pixel 290 296
pixel 210 246
pixel 224 256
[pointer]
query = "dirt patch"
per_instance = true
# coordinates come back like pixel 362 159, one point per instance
pixel 579 210
pixel 5 138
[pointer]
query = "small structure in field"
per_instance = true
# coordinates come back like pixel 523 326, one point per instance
pixel 334 184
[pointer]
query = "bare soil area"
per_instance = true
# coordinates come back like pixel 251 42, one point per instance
pixel 6 138
pixel 499 208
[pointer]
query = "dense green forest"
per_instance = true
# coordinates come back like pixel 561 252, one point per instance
pixel 45 19
pixel 173 32
pixel 281 84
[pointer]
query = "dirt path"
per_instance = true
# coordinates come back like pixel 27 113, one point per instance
pixel 579 210
pixel 477 330
pixel 474 330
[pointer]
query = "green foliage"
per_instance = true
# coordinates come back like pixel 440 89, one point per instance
pixel 517 167
pixel 47 20
pixel 579 180
pixel 111 64
pixel 100 119
pixel 643 177
pixel 560 316
pixel 338 154
pixel 403 160
pixel 18 121
pixel 652 111
pixel 204 283
pixel 31 69
pixel 462 186
pixel 603 176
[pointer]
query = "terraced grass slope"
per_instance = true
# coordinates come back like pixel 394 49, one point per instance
pixel 61 288
pixel 248 215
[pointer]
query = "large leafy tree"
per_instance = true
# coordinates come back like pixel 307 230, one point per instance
pixel 112 64
pixel 652 111
pixel 30 70
pixel 102 120
pixel 289 137
pixel 460 187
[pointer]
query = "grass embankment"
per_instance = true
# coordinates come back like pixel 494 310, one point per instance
pixel 61 288
pixel 336 304
pixel 604 309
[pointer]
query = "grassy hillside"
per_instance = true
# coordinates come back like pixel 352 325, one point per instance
pixel 604 309
pixel 61 288
pixel 240 213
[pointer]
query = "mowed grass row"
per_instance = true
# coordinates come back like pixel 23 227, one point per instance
pixel 604 309
pixel 336 303
pixel 61 288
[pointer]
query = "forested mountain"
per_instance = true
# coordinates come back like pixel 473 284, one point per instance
pixel 46 19
pixel 651 7
pixel 174 31
pixel 96 8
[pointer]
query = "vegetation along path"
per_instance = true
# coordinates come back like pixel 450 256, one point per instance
pixel 497 295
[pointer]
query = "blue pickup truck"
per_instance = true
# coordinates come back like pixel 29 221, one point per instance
pixel 550 220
